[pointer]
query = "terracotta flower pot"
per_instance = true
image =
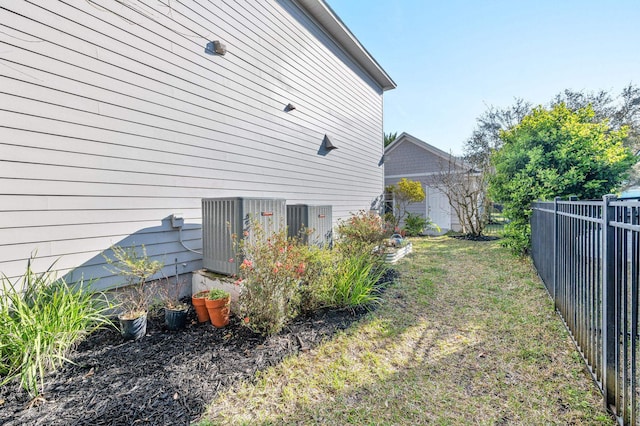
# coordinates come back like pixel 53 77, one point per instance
pixel 219 311
pixel 198 300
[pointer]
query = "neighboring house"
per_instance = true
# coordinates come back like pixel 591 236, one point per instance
pixel 117 114
pixel 411 158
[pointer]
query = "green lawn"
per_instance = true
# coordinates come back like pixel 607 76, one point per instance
pixel 466 336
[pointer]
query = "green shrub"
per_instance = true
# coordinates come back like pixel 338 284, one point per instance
pixel 414 224
pixel 355 280
pixel 282 277
pixel 315 290
pixel 41 319
pixel 271 273
pixel 517 237
pixel 362 231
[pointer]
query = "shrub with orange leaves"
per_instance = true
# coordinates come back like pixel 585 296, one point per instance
pixel 271 273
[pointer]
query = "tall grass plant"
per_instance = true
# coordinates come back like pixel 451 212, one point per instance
pixel 41 319
pixel 356 279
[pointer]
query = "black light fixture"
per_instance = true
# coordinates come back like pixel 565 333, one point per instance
pixel 290 107
pixel 327 145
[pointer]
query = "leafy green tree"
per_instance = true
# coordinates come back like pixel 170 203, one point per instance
pixel 485 138
pixel 389 137
pixel 555 152
pixel 622 110
pixel 404 193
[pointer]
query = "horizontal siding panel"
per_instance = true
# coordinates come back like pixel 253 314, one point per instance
pixel 90 264
pixel 249 41
pixel 37 162
pixel 245 43
pixel 189 151
pixel 221 189
pixel 112 118
pixel 71 202
pixel 248 176
pixel 108 143
pixel 26 105
pixel 316 52
pixel 108 103
pixel 204 84
pixel 68 247
pixel 61 217
pixel 31 236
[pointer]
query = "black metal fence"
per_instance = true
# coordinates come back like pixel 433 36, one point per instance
pixel 587 253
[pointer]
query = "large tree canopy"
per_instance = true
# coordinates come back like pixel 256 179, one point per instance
pixel 555 152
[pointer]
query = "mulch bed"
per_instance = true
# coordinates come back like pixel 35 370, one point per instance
pixel 165 378
pixel 475 237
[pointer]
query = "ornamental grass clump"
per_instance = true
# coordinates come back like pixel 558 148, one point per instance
pixel 41 319
pixel 359 268
pixel 270 272
pixel 357 279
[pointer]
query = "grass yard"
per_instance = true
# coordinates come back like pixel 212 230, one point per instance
pixel 466 336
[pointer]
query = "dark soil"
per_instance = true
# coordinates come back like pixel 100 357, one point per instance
pixel 165 378
pixel 475 237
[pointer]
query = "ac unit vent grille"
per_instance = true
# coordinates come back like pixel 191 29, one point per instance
pixel 224 217
pixel 316 218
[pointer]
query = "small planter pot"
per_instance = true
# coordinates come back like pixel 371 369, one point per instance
pixel 198 301
pixel 133 329
pixel 398 253
pixel 219 311
pixel 175 319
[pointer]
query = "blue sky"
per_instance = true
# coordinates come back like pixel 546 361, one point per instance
pixel 452 59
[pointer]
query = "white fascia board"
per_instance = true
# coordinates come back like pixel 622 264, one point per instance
pixel 333 25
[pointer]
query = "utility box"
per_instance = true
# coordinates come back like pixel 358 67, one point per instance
pixel 224 217
pixel 312 218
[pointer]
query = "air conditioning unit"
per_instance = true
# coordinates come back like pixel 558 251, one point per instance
pixel 313 218
pixel 224 217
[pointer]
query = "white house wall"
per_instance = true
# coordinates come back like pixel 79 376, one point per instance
pixel 113 117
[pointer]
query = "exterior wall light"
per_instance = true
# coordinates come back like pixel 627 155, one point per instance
pixel 216 47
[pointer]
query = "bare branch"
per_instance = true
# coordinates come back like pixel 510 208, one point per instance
pixel 466 189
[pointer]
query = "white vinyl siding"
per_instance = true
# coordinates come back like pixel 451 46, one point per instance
pixel 113 117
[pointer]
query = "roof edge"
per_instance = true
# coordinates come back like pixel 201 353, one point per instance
pixel 424 145
pixel 333 25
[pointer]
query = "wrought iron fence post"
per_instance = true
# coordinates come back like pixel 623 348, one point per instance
pixel 555 252
pixel 609 334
